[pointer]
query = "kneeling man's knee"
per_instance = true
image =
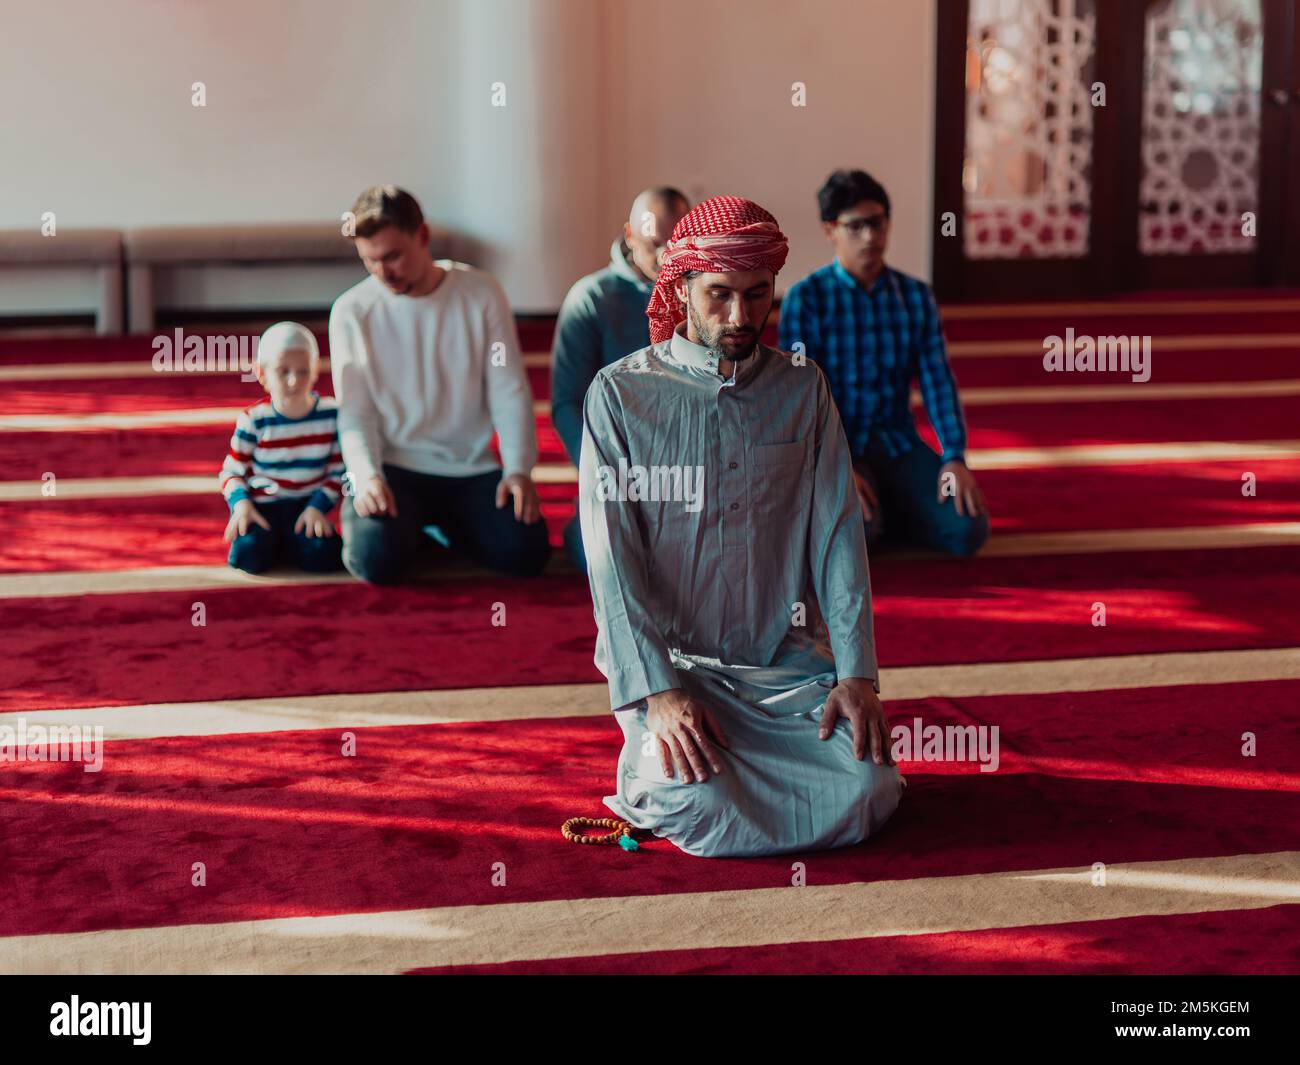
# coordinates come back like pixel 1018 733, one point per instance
pixel 882 787
pixel 377 550
pixel 966 537
pixel 978 535
pixel 373 567
pixel 372 558
pixel 524 555
pixel 707 813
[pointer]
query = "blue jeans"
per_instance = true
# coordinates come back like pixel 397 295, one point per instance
pixel 379 549
pixel 907 488
pixel 259 549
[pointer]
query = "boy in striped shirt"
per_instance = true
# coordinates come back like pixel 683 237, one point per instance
pixel 284 471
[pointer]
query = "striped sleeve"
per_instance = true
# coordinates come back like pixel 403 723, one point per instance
pixel 239 460
pixel 327 496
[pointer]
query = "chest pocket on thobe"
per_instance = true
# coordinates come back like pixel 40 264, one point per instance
pixel 782 486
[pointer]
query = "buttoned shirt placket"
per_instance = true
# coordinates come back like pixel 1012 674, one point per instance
pixel 732 446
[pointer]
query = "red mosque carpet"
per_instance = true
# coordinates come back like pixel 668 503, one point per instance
pixel 1123 831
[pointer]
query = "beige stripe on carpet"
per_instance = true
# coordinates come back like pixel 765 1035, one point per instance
pixel 1077 391
pixel 1009 458
pixel 400 940
pixel 1082 392
pixel 72 371
pixel 531 702
pixel 197 578
pixel 980 311
pixel 153 419
pixel 1256 534
pixel 95 371
pixel 566 473
pixel 1159 344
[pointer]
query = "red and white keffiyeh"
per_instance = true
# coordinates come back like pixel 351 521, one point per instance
pixel 723 234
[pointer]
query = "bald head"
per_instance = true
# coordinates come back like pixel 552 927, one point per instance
pixel 650 223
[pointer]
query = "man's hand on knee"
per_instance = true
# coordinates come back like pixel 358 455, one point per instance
pixel 866 496
pixel 686 731
pixel 854 698
pixel 528 504
pixel 375 499
pixel 957 481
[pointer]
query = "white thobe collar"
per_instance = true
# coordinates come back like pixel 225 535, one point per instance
pixel 698 357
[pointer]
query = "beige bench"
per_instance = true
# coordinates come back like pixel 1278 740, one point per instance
pixel 99 249
pixel 160 247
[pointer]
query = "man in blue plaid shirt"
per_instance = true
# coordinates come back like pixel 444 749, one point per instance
pixel 872 330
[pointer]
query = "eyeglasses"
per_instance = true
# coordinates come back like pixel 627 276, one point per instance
pixel 857 226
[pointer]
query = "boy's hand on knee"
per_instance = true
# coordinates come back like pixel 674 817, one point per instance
pixel 242 518
pixel 312 522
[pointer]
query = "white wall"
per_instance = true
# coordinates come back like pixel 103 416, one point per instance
pixel 711 111
pixel 308 101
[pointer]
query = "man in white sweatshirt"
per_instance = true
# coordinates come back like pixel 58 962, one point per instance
pixel 426 365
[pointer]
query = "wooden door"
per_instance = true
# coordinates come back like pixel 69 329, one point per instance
pixel 1087 147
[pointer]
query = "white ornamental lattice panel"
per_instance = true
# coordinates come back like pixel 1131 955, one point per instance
pixel 1200 126
pixel 1027 170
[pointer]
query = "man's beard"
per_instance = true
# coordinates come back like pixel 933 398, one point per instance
pixel 713 340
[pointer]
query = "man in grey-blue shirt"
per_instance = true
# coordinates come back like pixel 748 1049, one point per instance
pixel 603 318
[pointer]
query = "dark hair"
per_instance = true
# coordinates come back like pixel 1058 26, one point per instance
pixel 386 205
pixel 844 188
